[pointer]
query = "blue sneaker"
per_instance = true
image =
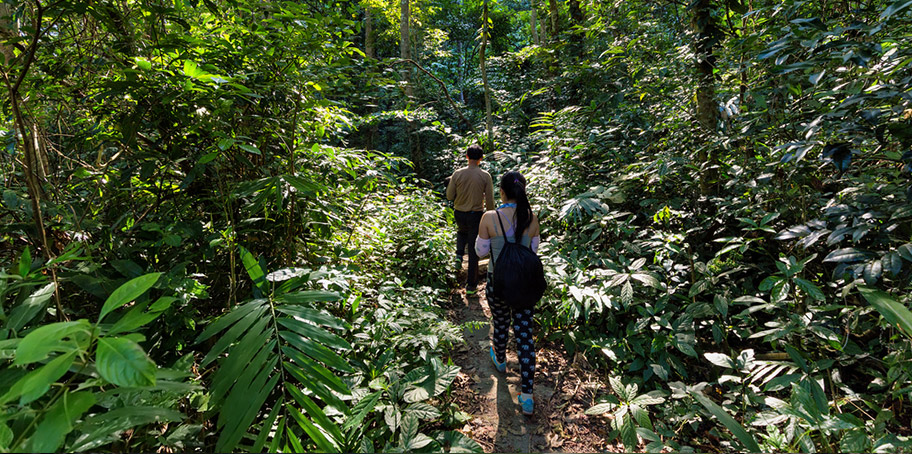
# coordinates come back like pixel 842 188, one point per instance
pixel 501 367
pixel 526 403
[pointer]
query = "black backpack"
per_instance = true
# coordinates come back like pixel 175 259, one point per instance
pixel 519 278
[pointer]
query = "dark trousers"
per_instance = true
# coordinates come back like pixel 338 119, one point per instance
pixel 502 315
pixel 466 232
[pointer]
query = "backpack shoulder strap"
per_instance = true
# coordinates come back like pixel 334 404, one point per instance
pixel 502 229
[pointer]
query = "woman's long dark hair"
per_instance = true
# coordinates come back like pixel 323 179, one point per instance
pixel 513 185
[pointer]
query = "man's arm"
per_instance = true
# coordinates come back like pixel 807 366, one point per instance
pixel 451 188
pixel 489 194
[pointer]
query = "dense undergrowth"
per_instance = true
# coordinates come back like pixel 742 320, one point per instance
pixel 220 231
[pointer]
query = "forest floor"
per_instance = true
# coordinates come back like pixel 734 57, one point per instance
pixel 564 389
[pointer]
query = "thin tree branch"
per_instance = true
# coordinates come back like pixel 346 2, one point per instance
pixel 443 86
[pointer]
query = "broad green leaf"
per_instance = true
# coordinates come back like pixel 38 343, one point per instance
pixel 39 343
pixel 37 382
pixel 123 362
pixel 846 255
pixel 30 307
pixel 893 311
pixel 720 359
pixel 254 270
pixel 132 289
pixel 249 148
pixel 58 421
pixel 810 289
pixel 423 410
pixel 650 398
pixel 737 429
pixel 25 262
pixel 601 409
pixel 628 432
pixel 138 316
pixel 768 283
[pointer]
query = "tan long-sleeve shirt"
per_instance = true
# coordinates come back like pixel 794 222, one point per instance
pixel 471 189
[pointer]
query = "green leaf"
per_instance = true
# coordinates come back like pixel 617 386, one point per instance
pixel 361 410
pixel 628 432
pixel 895 8
pixel 650 398
pixel 132 289
pixel 123 362
pixel 720 359
pixel 143 63
pixel 30 307
pixel 316 333
pixel 249 148
pixel 846 255
pixel 254 270
pixel 737 429
pixel 601 409
pixel 312 315
pixel 893 311
pixel 58 421
pixel 191 69
pixel 105 427
pixel 138 316
pixel 797 358
pixel 458 442
pixel 323 443
pixel 423 410
pixel 780 291
pixel 25 262
pixel 319 417
pixel 905 251
pixel 37 382
pixel 812 290
pixel 39 343
pixel 814 79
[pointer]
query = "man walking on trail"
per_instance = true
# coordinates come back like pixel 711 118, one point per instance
pixel 472 191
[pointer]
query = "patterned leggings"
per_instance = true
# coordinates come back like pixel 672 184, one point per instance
pixel 522 330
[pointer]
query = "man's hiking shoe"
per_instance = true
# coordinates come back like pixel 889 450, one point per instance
pixel 527 404
pixel 501 367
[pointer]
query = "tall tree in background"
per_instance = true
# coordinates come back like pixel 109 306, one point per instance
pixel 533 17
pixel 485 21
pixel 555 28
pixel 369 32
pixel 579 20
pixel 706 34
pixel 404 48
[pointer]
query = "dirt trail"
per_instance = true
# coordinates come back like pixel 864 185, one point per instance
pixel 564 389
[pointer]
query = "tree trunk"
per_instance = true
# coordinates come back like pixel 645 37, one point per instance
pixel 484 73
pixel 706 111
pixel 404 48
pixel 576 39
pixel 369 33
pixel 534 23
pixel 555 29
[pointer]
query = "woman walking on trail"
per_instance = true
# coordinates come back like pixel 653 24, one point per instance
pixel 512 221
